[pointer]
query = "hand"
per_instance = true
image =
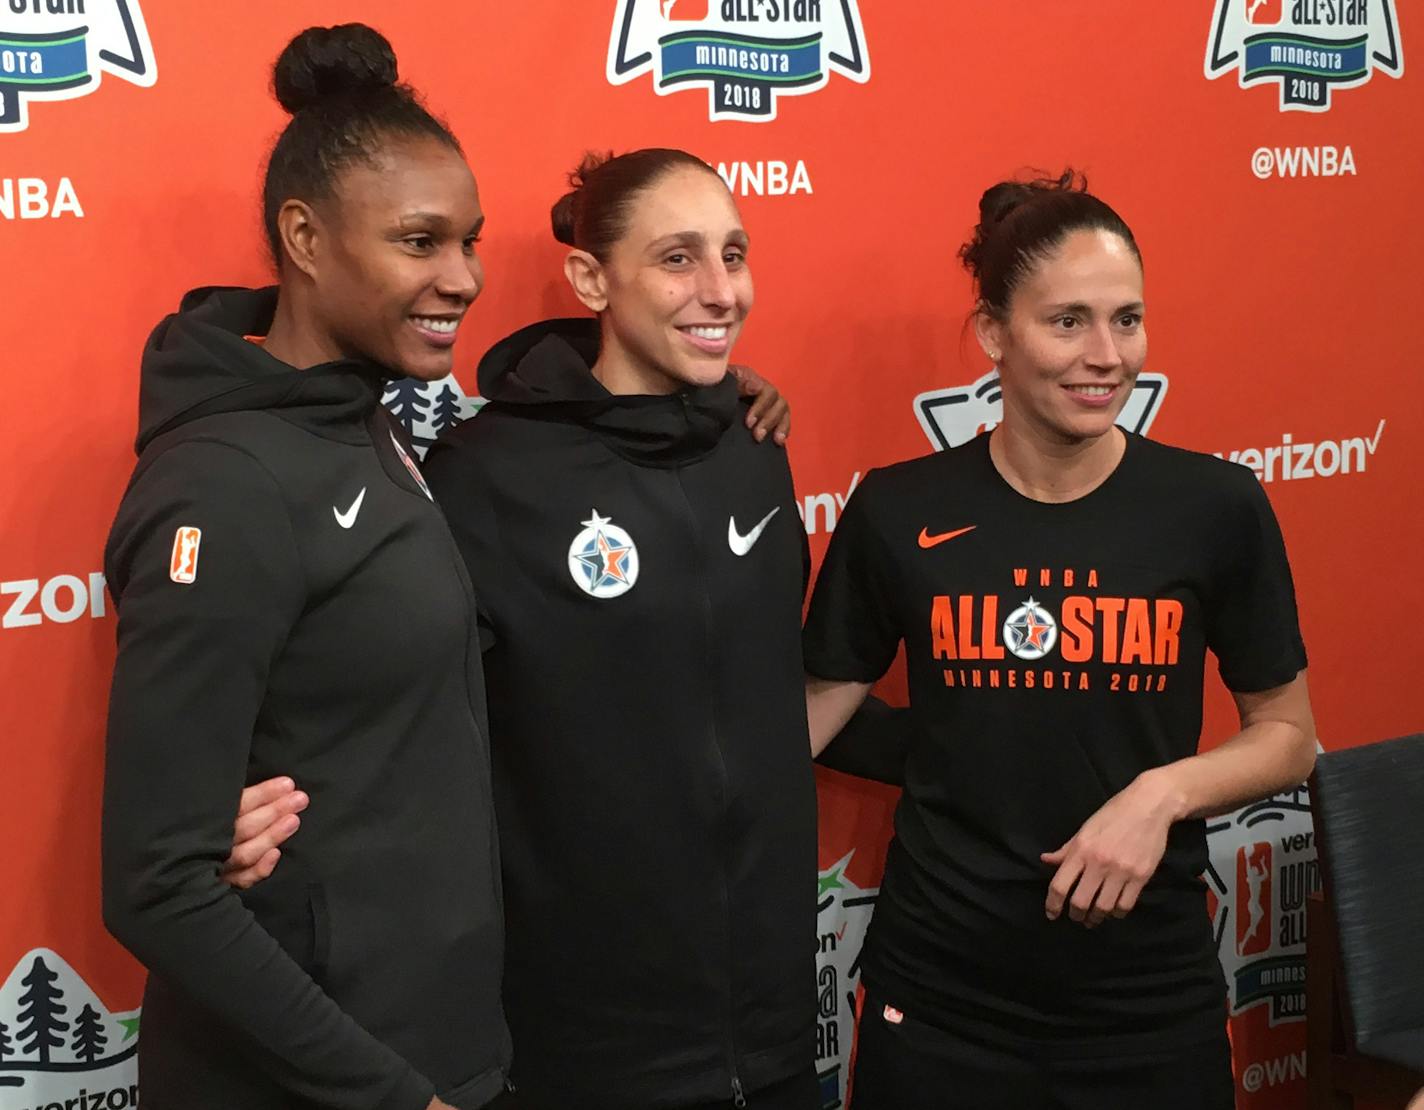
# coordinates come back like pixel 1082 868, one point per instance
pixel 266 817
pixel 1112 857
pixel 770 412
pixel 436 1104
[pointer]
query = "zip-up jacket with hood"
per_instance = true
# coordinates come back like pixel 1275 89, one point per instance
pixel 291 602
pixel 640 566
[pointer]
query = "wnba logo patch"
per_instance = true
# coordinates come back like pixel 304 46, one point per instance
pixel 746 53
pixel 60 49
pixel 1308 47
pixel 183 566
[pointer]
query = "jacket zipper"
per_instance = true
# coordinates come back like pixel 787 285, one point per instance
pixel 739 1098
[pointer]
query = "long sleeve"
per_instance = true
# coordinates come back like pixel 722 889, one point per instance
pixel 208 583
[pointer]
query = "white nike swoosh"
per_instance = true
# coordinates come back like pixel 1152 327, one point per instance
pixel 740 544
pixel 348 518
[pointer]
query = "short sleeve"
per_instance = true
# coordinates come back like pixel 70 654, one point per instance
pixel 851 634
pixel 1253 626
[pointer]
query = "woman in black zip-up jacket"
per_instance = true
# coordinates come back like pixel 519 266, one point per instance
pixel 290 599
pixel 640 565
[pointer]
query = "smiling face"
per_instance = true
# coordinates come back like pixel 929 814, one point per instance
pixel 1073 340
pixel 675 288
pixel 398 268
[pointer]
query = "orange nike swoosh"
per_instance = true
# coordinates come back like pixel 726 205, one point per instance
pixel 928 541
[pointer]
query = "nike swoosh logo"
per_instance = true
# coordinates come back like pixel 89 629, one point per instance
pixel 928 541
pixel 740 544
pixel 348 518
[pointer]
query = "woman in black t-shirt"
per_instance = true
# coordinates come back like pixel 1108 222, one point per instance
pixel 1041 937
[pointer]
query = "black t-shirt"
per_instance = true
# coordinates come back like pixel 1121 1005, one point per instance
pixel 1055 651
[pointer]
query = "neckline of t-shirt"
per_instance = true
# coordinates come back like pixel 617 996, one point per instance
pixel 1129 449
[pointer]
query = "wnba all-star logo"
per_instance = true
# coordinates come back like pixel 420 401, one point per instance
pixel 954 416
pixel 1308 47
pixel 603 559
pixel 59 1044
pixel 1030 631
pixel 746 53
pixel 60 49
pixel 1262 869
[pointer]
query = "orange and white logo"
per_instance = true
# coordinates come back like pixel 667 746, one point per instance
pixel 893 1016
pixel 184 567
pixel 1263 12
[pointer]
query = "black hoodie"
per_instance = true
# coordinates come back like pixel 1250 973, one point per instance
pixel 290 601
pixel 640 566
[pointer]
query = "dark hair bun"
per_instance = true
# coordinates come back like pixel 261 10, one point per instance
pixel 1001 199
pixel 562 215
pixel 327 62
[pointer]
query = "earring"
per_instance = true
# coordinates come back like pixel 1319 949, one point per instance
pixel 994 357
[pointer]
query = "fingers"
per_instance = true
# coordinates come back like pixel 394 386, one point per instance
pixel 1067 874
pixel 1106 901
pixel 260 794
pixel 247 877
pixel 767 413
pixel 782 430
pixel 1128 899
pixel 252 823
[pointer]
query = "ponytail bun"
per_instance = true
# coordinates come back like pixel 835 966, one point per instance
pixel 325 63
pixel 563 215
pixel 1001 201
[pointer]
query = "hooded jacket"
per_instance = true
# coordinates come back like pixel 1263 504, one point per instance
pixel 640 566
pixel 290 602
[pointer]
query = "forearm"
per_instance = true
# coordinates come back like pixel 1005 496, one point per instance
pixel 1262 759
pixel 830 703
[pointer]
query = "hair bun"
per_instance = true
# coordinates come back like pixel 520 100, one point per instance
pixel 1002 199
pixel 326 62
pixel 563 216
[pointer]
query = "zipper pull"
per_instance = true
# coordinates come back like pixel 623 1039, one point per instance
pixel 739 1099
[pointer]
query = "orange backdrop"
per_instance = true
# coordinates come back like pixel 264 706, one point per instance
pixel 1272 183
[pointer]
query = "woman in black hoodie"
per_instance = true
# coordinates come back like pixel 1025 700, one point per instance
pixel 641 566
pixel 290 599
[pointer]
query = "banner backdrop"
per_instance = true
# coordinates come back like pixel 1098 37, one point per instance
pixel 1264 151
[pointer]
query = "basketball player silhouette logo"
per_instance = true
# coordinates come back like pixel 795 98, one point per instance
pixel 1262 12
pixel 686 9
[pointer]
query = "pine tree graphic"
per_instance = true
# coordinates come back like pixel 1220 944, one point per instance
pixel 7 1042
pixel 447 409
pixel 407 401
pixel 89 1035
pixel 40 1007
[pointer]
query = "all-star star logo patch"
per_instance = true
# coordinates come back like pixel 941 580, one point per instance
pixel 60 49
pixel 954 416
pixel 745 53
pixel 603 560
pixel 1309 48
